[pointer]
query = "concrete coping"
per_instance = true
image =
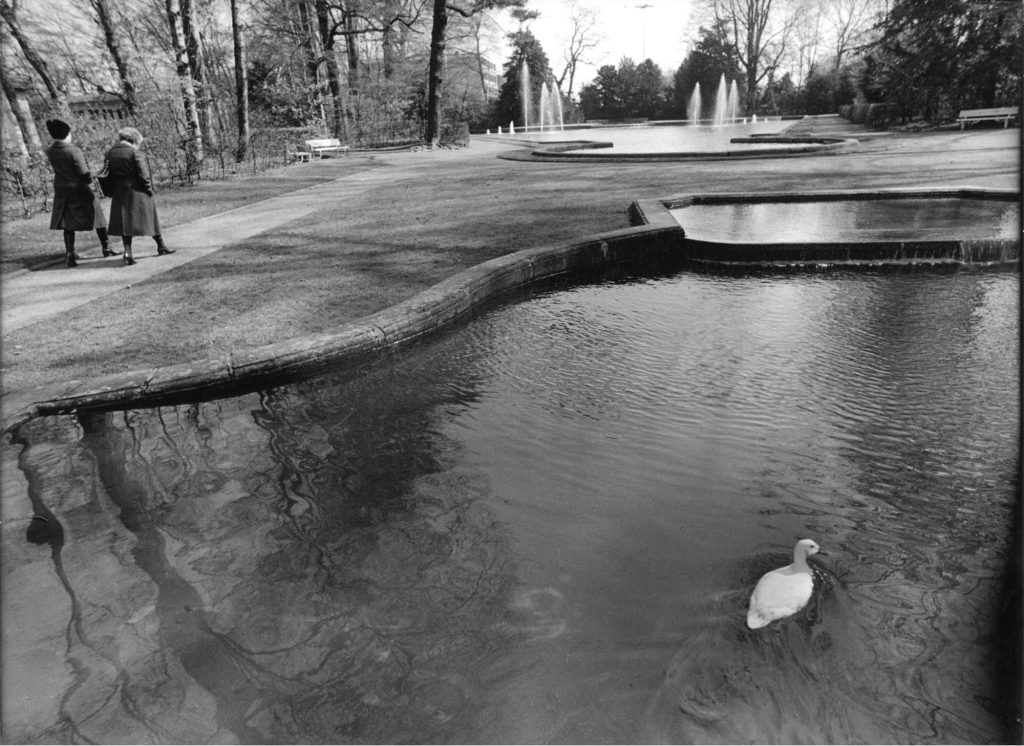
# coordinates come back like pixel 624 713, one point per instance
pixel 350 344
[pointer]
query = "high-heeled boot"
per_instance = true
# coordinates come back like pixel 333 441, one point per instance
pixel 161 247
pixel 126 241
pixel 101 233
pixel 70 260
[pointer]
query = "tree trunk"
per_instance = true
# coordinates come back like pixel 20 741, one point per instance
pixel 241 86
pixel 388 47
pixel 351 50
pixel 438 35
pixel 311 50
pixel 197 69
pixel 37 62
pixel 29 135
pixel 13 137
pixel 106 24
pixel 194 132
pixel 339 125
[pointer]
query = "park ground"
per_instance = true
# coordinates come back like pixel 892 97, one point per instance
pixel 376 228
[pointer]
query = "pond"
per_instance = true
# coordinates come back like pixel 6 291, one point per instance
pixel 544 525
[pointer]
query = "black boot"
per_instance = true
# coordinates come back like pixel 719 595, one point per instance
pixel 70 259
pixel 126 241
pixel 161 247
pixel 101 233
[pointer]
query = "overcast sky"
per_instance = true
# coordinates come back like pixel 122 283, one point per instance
pixel 658 31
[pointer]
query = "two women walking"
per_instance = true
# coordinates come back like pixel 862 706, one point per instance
pixel 76 207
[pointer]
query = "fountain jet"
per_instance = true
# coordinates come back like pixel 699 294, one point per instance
pixel 524 94
pixel 693 105
pixel 721 101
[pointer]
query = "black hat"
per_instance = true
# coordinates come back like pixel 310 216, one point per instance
pixel 58 130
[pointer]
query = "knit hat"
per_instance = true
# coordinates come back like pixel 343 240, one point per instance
pixel 58 130
pixel 130 134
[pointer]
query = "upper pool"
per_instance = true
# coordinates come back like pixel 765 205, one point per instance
pixel 853 220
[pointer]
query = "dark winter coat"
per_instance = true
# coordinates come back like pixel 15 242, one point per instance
pixel 75 205
pixel 132 210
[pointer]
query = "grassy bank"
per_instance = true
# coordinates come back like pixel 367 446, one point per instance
pixel 397 223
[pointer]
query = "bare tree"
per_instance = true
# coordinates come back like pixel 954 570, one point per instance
pixel 241 85
pixel 194 132
pixel 10 126
pixel 22 114
pixel 101 9
pixel 438 40
pixel 328 30
pixel 582 40
pixel 850 19
pixel 760 30
pixel 198 70
pixel 7 10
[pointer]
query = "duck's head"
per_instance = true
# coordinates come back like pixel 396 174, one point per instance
pixel 805 548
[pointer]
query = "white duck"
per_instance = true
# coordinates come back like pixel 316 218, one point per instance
pixel 784 591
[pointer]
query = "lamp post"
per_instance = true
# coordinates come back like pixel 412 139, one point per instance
pixel 643 26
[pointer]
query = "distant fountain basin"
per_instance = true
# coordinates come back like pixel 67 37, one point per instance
pixel 671 141
pixel 937 227
pixel 714 127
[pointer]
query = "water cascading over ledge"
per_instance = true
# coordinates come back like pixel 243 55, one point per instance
pixel 988 237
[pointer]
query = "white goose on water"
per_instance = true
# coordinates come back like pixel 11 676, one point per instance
pixel 784 591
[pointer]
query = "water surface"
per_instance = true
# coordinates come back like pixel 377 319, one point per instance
pixel 669 138
pixel 544 526
pixel 909 219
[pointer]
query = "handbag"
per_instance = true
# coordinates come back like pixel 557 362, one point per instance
pixel 106 183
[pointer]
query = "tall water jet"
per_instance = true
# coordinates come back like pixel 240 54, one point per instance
pixel 721 102
pixel 551 106
pixel 734 102
pixel 544 107
pixel 693 105
pixel 524 94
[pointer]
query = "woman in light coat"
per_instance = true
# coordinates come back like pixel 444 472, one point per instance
pixel 132 209
pixel 75 205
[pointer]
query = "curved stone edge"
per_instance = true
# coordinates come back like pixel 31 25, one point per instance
pixel 352 343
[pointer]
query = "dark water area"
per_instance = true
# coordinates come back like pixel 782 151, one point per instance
pixel 910 219
pixel 545 525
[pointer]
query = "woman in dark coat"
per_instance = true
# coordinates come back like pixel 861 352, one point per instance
pixel 132 209
pixel 75 205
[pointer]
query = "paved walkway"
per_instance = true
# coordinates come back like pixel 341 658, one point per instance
pixel 29 296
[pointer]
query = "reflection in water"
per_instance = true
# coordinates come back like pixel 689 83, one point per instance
pixel 853 220
pixel 319 576
pixel 545 526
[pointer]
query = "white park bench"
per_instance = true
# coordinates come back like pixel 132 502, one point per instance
pixel 981 115
pixel 319 147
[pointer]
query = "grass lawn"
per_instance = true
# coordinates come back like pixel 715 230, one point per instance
pixel 397 223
